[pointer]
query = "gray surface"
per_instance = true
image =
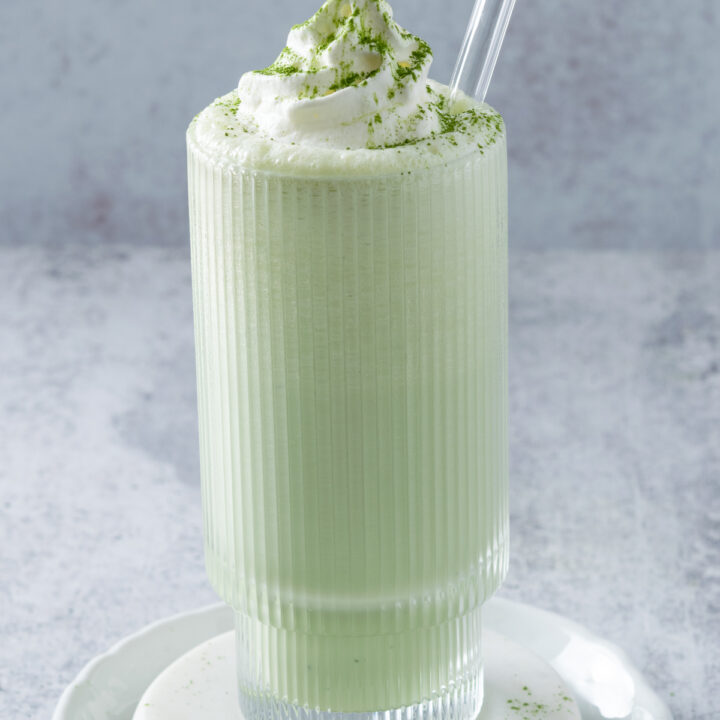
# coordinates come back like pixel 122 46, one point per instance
pixel 612 108
pixel 615 398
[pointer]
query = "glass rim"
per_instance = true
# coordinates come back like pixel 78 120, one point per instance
pixel 303 173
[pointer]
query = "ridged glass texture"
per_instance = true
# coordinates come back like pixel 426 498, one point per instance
pixel 351 342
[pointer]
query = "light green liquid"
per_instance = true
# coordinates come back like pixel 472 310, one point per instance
pixel 352 389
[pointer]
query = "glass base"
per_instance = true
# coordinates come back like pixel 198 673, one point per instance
pixel 459 701
pixel 421 673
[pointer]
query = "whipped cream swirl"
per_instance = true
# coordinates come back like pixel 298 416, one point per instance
pixel 350 77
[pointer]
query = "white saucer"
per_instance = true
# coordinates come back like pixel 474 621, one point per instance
pixel 603 681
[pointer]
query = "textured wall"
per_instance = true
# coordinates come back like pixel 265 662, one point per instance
pixel 612 108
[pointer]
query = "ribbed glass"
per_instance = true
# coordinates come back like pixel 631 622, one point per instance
pixel 351 340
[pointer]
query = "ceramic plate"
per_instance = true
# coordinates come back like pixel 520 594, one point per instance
pixel 604 682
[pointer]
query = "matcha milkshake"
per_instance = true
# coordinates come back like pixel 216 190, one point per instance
pixel 348 225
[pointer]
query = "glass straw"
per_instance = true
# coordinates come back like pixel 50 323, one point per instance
pixel 481 47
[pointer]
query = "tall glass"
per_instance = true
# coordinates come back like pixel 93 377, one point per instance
pixel 351 339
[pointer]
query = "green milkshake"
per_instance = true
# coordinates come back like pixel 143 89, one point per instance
pixel 348 229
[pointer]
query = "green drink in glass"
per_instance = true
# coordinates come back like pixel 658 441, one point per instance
pixel 349 250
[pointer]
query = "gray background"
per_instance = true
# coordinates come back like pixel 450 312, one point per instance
pixel 612 108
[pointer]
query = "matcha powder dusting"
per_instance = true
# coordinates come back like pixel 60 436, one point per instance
pixel 351 77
